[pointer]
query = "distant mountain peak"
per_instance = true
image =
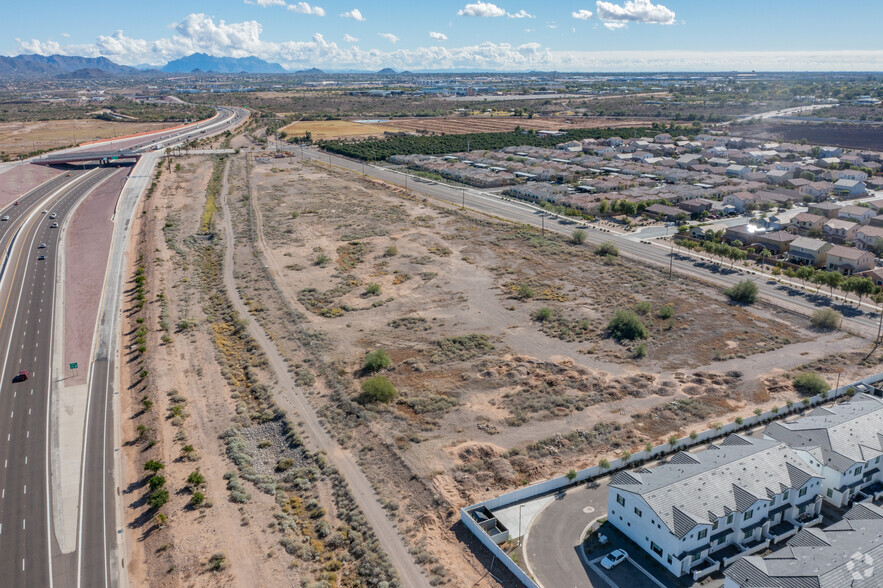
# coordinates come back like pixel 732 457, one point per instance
pixel 387 71
pixel 54 65
pixel 204 63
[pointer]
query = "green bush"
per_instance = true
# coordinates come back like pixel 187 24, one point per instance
pixel 525 291
pixel 153 466
pixel 158 498
pixel 377 389
pixel 373 289
pixel 605 249
pixel 197 499
pixel 666 311
pixel 322 260
pixel 826 319
pixel 156 482
pixel 745 292
pixel 810 383
pixel 625 325
pixel 542 314
pixel 391 251
pixel 376 360
pixel 578 237
pixel 640 351
pixel 195 478
pixel 644 307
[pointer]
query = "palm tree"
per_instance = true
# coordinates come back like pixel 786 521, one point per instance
pixel 763 255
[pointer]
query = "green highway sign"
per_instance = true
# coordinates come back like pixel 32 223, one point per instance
pixel 74 365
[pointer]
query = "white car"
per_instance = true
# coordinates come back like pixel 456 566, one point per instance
pixel 614 558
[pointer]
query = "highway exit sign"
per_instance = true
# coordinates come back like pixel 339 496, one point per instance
pixel 74 365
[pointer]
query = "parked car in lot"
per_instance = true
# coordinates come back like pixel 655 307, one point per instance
pixel 614 558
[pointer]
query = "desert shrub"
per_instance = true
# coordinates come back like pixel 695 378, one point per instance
pixel 158 497
pixel 542 314
pixel 377 389
pixel 666 311
pixel 578 237
pixel 644 307
pixel 373 289
pixel 525 291
pixel 810 383
pixel 376 360
pixel 605 249
pixel 745 292
pixel 195 478
pixel 153 466
pixel 640 351
pixel 322 260
pixel 826 319
pixel 197 498
pixel 625 325
pixel 156 482
pixel 391 251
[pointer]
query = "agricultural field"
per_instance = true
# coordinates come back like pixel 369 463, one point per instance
pixel 496 341
pixel 453 125
pixel 27 137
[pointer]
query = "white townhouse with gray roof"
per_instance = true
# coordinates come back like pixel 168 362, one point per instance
pixel 701 511
pixel 842 443
pixel 848 554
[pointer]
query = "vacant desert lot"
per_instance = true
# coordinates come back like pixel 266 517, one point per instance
pixel 343 129
pixel 483 372
pixel 25 137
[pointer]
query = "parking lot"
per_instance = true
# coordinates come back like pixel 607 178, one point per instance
pixel 625 575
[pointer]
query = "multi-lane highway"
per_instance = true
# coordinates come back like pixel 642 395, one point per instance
pixel 29 549
pixel 27 292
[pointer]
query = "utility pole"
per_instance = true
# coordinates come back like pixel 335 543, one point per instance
pixel 543 224
pixel 463 193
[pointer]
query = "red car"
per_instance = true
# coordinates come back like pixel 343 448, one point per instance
pixel 21 377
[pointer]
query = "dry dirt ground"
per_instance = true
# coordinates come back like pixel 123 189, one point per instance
pixel 344 129
pixel 493 392
pixel 197 400
pixel 25 137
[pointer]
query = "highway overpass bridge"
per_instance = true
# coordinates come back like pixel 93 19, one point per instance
pixel 82 157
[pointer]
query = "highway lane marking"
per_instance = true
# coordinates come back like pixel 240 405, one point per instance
pixel 26 489
pixel 24 523
pixel 22 564
pixel 26 460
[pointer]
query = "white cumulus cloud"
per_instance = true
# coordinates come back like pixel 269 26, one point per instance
pixel 483 9
pixel 349 38
pixel 266 3
pixel 520 14
pixel 582 14
pixel 354 14
pixel 614 26
pixel 438 36
pixel 635 11
pixel 389 37
pixel 304 8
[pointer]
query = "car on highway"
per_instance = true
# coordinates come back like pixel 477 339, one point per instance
pixel 53 226
pixel 614 558
pixel 42 246
pixel 6 217
pixel 17 202
pixel 20 377
pixel 53 215
pixel 45 212
pixel 41 258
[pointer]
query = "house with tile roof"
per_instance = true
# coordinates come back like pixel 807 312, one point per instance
pixel 701 510
pixel 842 443
pixel 846 554
pixel 848 260
pixel 808 251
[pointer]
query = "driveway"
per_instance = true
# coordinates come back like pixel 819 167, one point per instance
pixel 551 543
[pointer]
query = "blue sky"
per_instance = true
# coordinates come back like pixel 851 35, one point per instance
pixel 611 35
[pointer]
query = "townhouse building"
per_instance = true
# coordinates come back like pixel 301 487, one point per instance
pixel 841 443
pixel 703 510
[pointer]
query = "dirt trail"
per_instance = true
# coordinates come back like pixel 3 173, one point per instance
pixel 296 403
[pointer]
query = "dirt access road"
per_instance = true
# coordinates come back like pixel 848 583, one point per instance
pixel 296 402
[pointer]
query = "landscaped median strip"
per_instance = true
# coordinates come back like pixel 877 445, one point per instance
pixel 482 523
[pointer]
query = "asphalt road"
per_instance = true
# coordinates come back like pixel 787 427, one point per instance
pixel 863 321
pixel 29 554
pixel 27 549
